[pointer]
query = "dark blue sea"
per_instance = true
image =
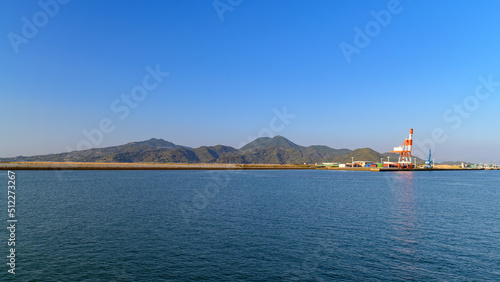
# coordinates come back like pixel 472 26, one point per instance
pixel 269 225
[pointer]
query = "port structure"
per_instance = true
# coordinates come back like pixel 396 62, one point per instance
pixel 404 151
pixel 429 163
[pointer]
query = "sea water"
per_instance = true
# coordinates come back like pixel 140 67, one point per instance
pixel 254 225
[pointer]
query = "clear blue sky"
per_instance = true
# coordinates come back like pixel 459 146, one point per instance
pixel 227 74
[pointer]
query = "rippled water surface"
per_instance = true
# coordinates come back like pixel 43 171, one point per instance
pixel 255 225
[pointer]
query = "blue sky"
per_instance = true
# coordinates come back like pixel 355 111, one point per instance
pixel 231 70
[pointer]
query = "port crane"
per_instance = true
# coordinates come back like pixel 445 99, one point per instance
pixel 429 163
pixel 404 151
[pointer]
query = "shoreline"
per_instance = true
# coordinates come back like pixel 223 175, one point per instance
pixel 184 166
pixel 140 166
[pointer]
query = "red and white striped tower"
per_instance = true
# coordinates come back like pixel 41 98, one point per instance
pixel 404 151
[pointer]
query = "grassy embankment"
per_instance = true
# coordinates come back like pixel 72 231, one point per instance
pixel 138 166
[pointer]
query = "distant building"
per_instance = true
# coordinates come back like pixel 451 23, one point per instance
pixel 328 164
pixel 390 164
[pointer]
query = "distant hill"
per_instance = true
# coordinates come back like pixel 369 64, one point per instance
pixel 364 154
pixel 156 143
pixel 279 150
pixel 455 163
pixel 265 150
pixel 267 142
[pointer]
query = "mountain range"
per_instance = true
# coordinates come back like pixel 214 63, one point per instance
pixel 264 150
